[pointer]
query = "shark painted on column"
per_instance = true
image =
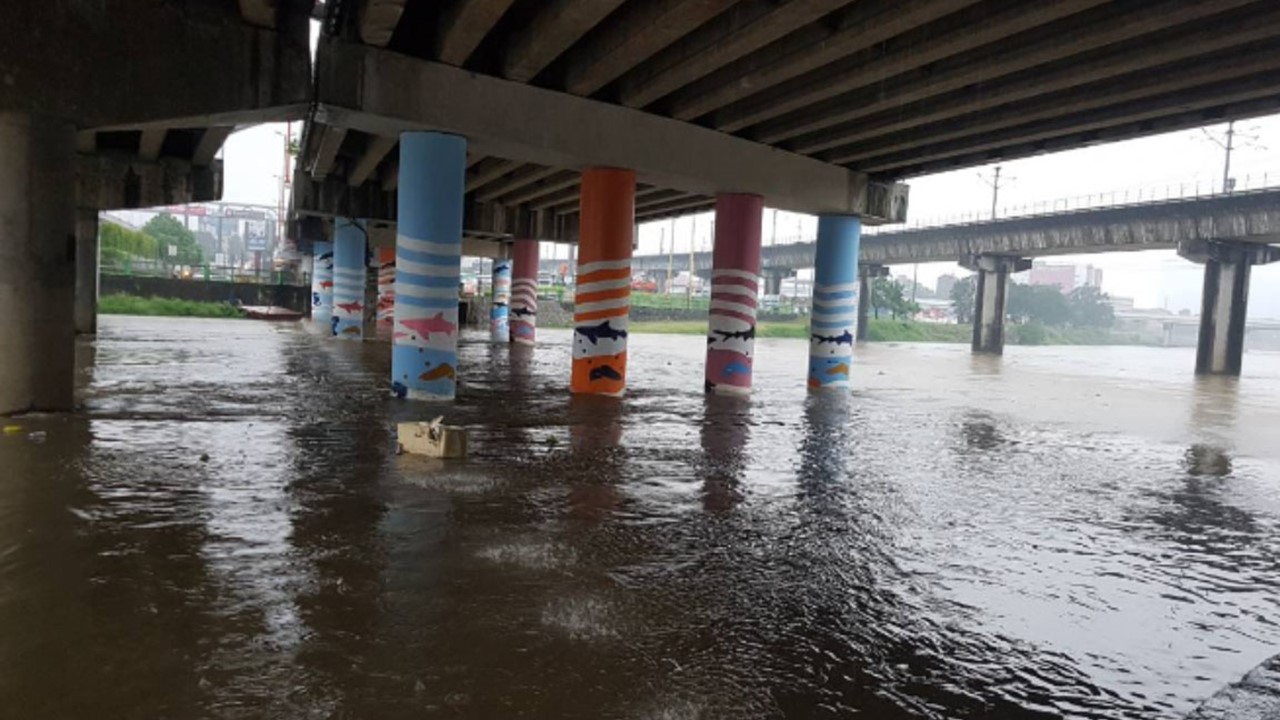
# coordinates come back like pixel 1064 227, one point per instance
pixel 386 288
pixel 602 298
pixel 322 284
pixel 424 354
pixel 834 318
pixel 735 287
pixel 522 316
pixel 349 276
pixel 499 329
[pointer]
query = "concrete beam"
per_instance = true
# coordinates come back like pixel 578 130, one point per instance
pixel 632 36
pixel 378 21
pixel 861 26
pixel 373 155
pixel 488 171
pixel 968 29
pixel 1106 25
pixel 229 72
pixel 327 146
pixel 464 25
pixel 386 93
pixel 558 24
pixel 259 12
pixel 528 175
pixel 1170 46
pixel 550 186
pixel 150 144
pixel 210 142
pixel 107 182
pixel 746 27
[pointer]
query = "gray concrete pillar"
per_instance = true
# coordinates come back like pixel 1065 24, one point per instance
pixel 866 276
pixel 1225 301
pixel 772 282
pixel 37 263
pixel 86 308
pixel 990 298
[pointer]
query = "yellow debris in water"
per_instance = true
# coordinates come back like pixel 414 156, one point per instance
pixel 11 429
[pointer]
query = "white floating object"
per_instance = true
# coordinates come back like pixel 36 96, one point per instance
pixel 433 439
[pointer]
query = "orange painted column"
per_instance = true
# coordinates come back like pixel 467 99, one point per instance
pixel 602 300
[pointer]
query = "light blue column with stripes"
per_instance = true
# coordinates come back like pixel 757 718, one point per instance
pixel 499 328
pixel 834 320
pixel 349 277
pixel 322 283
pixel 424 354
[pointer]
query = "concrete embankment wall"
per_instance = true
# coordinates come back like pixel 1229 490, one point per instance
pixel 294 297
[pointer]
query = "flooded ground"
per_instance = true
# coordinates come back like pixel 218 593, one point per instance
pixel 226 532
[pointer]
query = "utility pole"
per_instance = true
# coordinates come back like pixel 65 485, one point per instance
pixel 693 236
pixel 1228 144
pixel 996 182
pixel 1226 165
pixel 773 236
pixel 671 257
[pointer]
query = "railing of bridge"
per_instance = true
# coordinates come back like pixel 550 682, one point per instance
pixel 1193 189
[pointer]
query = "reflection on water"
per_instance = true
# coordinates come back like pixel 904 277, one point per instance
pixel 227 532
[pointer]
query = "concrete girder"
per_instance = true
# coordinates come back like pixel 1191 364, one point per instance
pixel 374 153
pixel 552 185
pixel 259 12
pixel 746 27
pixel 974 27
pixel 488 171
pixel 464 25
pixel 1201 72
pixel 557 199
pixel 378 20
pixel 151 142
pixel 1169 46
pixel 861 26
pixel 108 182
pixel 1244 217
pixel 526 176
pixel 1162 108
pixel 210 142
pixel 1106 26
pixel 327 146
pixel 229 73
pixel 365 88
pixel 390 176
pixel 632 36
pixel 559 24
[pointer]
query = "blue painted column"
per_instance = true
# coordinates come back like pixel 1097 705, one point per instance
pixel 322 283
pixel 424 356
pixel 834 320
pixel 499 330
pixel 349 277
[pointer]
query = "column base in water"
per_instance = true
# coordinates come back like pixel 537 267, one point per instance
pixel 86 309
pixel 735 287
pixel 522 315
pixel 499 325
pixel 1225 301
pixel 991 298
pixel 834 317
pixel 602 302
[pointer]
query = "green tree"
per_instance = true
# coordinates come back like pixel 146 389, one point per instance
pixel 1044 304
pixel 119 243
pixel 168 232
pixel 1088 306
pixel 890 295
pixel 962 294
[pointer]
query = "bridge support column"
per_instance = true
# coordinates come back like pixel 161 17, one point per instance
pixel 991 298
pixel 349 278
pixel 37 263
pixel 499 328
pixel 1225 301
pixel 735 284
pixel 866 276
pixel 834 316
pixel 523 319
pixel 322 284
pixel 424 354
pixel 86 307
pixel 773 282
pixel 603 297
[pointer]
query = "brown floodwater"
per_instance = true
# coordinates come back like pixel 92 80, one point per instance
pixel 225 531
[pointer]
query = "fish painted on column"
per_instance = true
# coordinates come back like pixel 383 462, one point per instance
pixel 601 307
pixel 832 324
pixel 731 331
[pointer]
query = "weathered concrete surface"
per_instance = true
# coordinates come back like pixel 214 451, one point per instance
pixel 385 93
pixel 110 182
pixel 179 63
pixel 37 263
pixel 86 307
pixel 1255 697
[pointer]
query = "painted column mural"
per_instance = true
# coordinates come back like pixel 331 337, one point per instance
pixel 499 330
pixel 424 354
pixel 322 283
pixel 386 287
pixel 349 275
pixel 523 311
pixel 603 296
pixel 834 320
pixel 735 285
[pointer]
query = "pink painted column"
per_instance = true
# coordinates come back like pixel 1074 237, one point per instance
pixel 735 286
pixel 522 316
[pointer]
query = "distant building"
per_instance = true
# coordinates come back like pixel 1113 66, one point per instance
pixel 1066 277
pixel 1120 304
pixel 945 284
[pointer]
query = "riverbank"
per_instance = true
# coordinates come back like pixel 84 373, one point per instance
pixel 122 304
pixel 885 330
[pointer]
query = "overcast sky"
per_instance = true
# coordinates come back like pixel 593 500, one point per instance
pixel 252 162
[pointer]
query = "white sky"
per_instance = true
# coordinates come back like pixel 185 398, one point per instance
pixel 252 163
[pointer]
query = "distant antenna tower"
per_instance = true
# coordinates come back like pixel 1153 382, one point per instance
pixel 996 181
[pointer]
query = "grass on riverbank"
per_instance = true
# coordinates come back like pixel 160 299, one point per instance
pixel 122 304
pixel 885 330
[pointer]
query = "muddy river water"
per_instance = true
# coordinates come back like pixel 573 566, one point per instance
pixel 225 531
